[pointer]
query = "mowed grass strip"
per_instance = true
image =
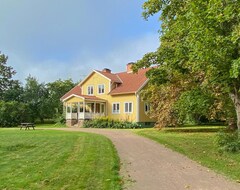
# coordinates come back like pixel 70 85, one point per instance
pixel 45 159
pixel 198 146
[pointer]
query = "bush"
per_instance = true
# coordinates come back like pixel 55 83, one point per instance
pixel 12 113
pixel 228 141
pixel 59 119
pixel 109 123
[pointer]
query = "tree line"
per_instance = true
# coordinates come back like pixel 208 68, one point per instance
pixel 31 102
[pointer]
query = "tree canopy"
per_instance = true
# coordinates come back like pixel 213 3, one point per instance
pixel 199 45
pixel 6 74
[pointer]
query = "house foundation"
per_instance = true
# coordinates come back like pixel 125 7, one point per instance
pixel 74 122
pixel 71 122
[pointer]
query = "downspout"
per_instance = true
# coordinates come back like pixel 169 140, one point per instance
pixel 138 108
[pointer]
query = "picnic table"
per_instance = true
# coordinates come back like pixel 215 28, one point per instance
pixel 27 126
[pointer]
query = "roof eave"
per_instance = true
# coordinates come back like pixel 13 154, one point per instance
pixel 141 87
pixel 70 96
pixel 132 92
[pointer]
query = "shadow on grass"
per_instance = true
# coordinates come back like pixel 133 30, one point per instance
pixel 195 129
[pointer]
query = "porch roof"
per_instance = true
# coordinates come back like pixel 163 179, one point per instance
pixel 85 97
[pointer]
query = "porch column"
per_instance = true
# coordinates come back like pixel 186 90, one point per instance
pixel 94 113
pixel 84 104
pixel 78 110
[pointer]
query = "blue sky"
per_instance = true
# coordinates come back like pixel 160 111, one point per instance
pixel 61 39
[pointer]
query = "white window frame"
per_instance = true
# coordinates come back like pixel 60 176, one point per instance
pixel 101 85
pixel 90 86
pixel 128 103
pixel 115 103
pixel 146 105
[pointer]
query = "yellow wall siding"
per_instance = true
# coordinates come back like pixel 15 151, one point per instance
pixel 74 99
pixel 94 81
pixel 143 116
pixel 121 99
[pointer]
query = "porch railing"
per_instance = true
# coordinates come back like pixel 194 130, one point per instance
pixel 82 115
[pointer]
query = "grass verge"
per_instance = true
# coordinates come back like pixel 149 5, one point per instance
pixel 197 144
pixel 43 159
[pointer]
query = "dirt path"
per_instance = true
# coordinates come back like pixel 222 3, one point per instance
pixel 147 165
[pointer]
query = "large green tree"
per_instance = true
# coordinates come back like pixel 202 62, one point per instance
pixel 36 98
pixel 56 90
pixel 200 39
pixel 6 74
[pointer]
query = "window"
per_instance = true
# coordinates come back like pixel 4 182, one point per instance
pixel 128 107
pixel 116 108
pixel 146 107
pixel 74 107
pixel 69 108
pixel 81 107
pixel 90 90
pixel 102 108
pixel 101 89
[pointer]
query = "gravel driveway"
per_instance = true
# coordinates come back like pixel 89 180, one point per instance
pixel 147 165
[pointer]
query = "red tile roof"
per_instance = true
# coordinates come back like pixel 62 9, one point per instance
pixel 131 82
pixel 86 97
pixel 126 83
pixel 111 76
pixel 75 90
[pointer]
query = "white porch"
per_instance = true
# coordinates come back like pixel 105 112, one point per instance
pixel 85 110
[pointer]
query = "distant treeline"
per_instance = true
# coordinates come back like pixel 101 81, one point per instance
pixel 31 102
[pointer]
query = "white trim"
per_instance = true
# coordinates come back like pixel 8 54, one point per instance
pixel 70 96
pixel 92 90
pixel 119 108
pixel 124 110
pixel 138 108
pixel 143 85
pixel 103 89
pixel 91 100
pixel 119 78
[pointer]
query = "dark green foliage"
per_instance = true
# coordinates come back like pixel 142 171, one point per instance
pixel 199 46
pixel 12 113
pixel 194 105
pixel 56 90
pixel 59 119
pixel 6 73
pixel 110 123
pixel 228 141
pixel 33 102
pixel 14 92
pixel 36 98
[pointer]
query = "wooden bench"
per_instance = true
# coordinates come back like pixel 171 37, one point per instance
pixel 27 126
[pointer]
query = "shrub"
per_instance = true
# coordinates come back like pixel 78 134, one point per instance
pixel 12 113
pixel 60 119
pixel 109 123
pixel 228 141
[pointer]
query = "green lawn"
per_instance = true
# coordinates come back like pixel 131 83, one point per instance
pixel 199 146
pixel 57 125
pixel 45 159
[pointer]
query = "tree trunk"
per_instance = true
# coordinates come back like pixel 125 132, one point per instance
pixel 236 101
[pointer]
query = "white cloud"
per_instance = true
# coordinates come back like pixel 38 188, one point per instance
pixel 82 63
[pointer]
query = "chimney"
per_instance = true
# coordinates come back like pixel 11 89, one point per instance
pixel 129 67
pixel 106 70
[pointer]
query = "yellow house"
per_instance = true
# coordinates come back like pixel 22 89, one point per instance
pixel 106 94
